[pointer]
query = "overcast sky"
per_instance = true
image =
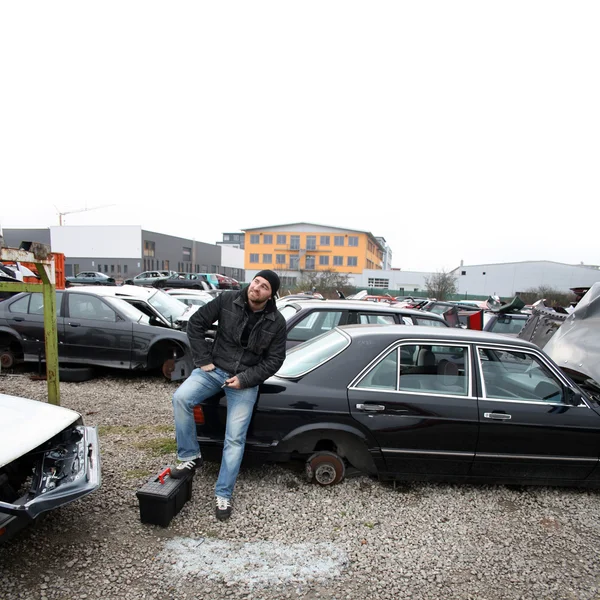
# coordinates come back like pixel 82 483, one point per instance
pixel 456 130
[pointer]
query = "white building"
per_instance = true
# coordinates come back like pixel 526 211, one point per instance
pixel 403 282
pixel 510 279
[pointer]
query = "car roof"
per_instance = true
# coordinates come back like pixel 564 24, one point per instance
pixel 451 334
pixel 381 307
pixel 123 291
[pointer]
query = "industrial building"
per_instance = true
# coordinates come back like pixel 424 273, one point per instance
pixel 124 251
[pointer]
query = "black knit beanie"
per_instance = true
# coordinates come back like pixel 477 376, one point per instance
pixel 272 278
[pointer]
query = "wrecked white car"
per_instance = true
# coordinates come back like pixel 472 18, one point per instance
pixel 47 459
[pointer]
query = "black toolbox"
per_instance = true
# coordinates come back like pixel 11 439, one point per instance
pixel 160 502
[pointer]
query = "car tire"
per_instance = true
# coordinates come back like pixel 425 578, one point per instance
pixel 75 374
pixel 128 282
pixel 325 468
pixel 7 358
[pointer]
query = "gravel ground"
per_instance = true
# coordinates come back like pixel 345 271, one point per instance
pixel 286 538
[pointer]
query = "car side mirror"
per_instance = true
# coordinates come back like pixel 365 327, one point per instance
pixel 573 397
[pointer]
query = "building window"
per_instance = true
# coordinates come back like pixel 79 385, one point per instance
pixel 187 254
pixel 338 240
pixel 338 261
pixel 353 240
pixel 267 259
pixel 463 272
pixel 112 268
pixel 226 237
pixel 125 269
pixel 254 238
pixel 282 239
pixel 106 268
pixel 149 248
pixel 254 258
pixel 294 242
pixel 352 261
pixel 324 261
pixel 280 259
pixel 325 240
pixel 294 262
pixel 382 284
pixel 311 242
pixel 309 262
pixel 268 238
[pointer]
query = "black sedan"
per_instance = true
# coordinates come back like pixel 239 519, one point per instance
pixel 93 329
pixel 423 404
pixel 90 278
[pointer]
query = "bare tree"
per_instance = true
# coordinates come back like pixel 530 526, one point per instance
pixel 441 285
pixel 552 296
pixel 324 282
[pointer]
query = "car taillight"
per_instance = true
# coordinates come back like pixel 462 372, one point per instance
pixel 198 415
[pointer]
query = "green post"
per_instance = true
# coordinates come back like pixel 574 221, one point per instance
pixel 50 335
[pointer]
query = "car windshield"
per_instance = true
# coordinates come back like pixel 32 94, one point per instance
pixel 128 310
pixel 507 324
pixel 312 354
pixel 170 308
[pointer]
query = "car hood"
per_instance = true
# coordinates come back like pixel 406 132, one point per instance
pixel 26 424
pixel 576 344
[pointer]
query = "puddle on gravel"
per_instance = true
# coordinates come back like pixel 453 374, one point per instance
pixel 255 563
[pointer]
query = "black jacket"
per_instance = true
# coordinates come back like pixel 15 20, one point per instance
pixel 265 351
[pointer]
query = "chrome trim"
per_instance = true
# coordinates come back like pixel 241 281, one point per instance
pixel 536 457
pixel 348 339
pixel 427 452
pixel 535 402
pixel 407 342
pixel 497 416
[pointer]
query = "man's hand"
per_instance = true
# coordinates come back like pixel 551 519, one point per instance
pixel 233 382
pixel 210 367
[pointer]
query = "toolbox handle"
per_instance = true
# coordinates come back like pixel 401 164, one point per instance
pixel 161 476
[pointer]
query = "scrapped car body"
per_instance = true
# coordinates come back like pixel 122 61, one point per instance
pixel 162 309
pixel 90 278
pixel 575 345
pixel 306 319
pixel 420 403
pixel 150 278
pixel 193 281
pixel 47 459
pixel 94 329
pixel 194 298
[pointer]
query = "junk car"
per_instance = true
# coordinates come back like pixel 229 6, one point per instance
pixel 420 403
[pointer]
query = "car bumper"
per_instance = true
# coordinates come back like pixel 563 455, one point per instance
pixel 57 480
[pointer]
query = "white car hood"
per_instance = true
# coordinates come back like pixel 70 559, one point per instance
pixel 25 424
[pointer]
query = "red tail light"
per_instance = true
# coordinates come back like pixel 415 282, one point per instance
pixel 198 415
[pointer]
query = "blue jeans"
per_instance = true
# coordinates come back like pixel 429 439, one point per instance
pixel 197 388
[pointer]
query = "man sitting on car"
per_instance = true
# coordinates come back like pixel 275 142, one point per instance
pixel 249 348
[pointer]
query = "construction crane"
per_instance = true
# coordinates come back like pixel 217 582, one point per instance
pixel 70 212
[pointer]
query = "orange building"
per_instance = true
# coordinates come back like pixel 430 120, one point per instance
pixel 293 248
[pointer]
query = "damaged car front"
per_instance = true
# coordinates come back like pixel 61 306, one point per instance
pixel 48 458
pixel 575 344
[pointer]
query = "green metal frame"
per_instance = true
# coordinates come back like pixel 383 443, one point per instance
pixel 45 267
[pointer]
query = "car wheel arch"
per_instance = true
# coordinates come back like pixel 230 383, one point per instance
pixel 11 341
pixel 162 350
pixel 348 442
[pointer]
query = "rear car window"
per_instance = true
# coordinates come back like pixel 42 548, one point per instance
pixel 312 354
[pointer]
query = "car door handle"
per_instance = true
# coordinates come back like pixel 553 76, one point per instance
pixel 74 324
pixel 370 407
pixel 497 416
pixel 18 319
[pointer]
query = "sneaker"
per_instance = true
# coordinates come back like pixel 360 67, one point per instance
pixel 224 508
pixel 182 469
